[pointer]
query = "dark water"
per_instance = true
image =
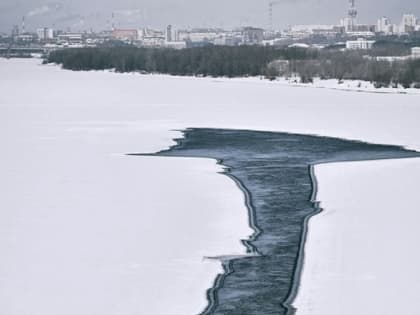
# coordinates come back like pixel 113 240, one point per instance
pixel 275 172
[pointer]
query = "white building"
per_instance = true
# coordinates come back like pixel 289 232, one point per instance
pixel 415 52
pixel 360 43
pixel 348 24
pixel 252 35
pixel 25 38
pixel 199 35
pixel 408 23
pixel 409 20
pixel 176 45
pixel 395 28
pixel 152 38
pixel 71 38
pixel 151 41
pixel 45 33
pixel 361 34
pixel 231 39
pixel 169 34
pixel 299 45
pixel 311 28
pixel 384 25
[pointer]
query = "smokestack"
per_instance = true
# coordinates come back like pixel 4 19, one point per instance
pixel 23 25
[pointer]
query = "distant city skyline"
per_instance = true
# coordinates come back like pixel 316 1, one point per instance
pixel 97 14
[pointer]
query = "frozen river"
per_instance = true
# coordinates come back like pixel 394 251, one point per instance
pixel 86 229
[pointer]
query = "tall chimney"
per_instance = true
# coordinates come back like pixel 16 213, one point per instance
pixel 23 25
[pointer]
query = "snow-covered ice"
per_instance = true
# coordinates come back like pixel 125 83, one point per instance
pixel 361 254
pixel 85 229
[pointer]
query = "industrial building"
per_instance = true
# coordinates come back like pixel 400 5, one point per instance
pixel 45 33
pixel 125 34
pixel 359 44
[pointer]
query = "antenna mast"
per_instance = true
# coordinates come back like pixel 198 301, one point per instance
pixel 352 14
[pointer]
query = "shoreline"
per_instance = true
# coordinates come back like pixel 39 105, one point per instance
pixel 329 84
pixel 305 231
pixel 251 249
pixel 231 290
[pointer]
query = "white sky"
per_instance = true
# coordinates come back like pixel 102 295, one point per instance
pixel 80 14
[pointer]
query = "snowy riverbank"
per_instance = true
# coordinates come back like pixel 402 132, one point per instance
pixel 334 84
pixel 348 85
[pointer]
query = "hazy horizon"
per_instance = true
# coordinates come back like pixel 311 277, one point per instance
pixel 96 14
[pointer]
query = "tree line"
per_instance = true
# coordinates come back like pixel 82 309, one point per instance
pixel 218 61
pixel 352 66
pixel 205 61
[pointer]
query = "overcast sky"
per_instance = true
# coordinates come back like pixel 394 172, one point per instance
pixel 96 14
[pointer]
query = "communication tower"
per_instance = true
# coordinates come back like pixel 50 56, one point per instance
pixel 352 14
